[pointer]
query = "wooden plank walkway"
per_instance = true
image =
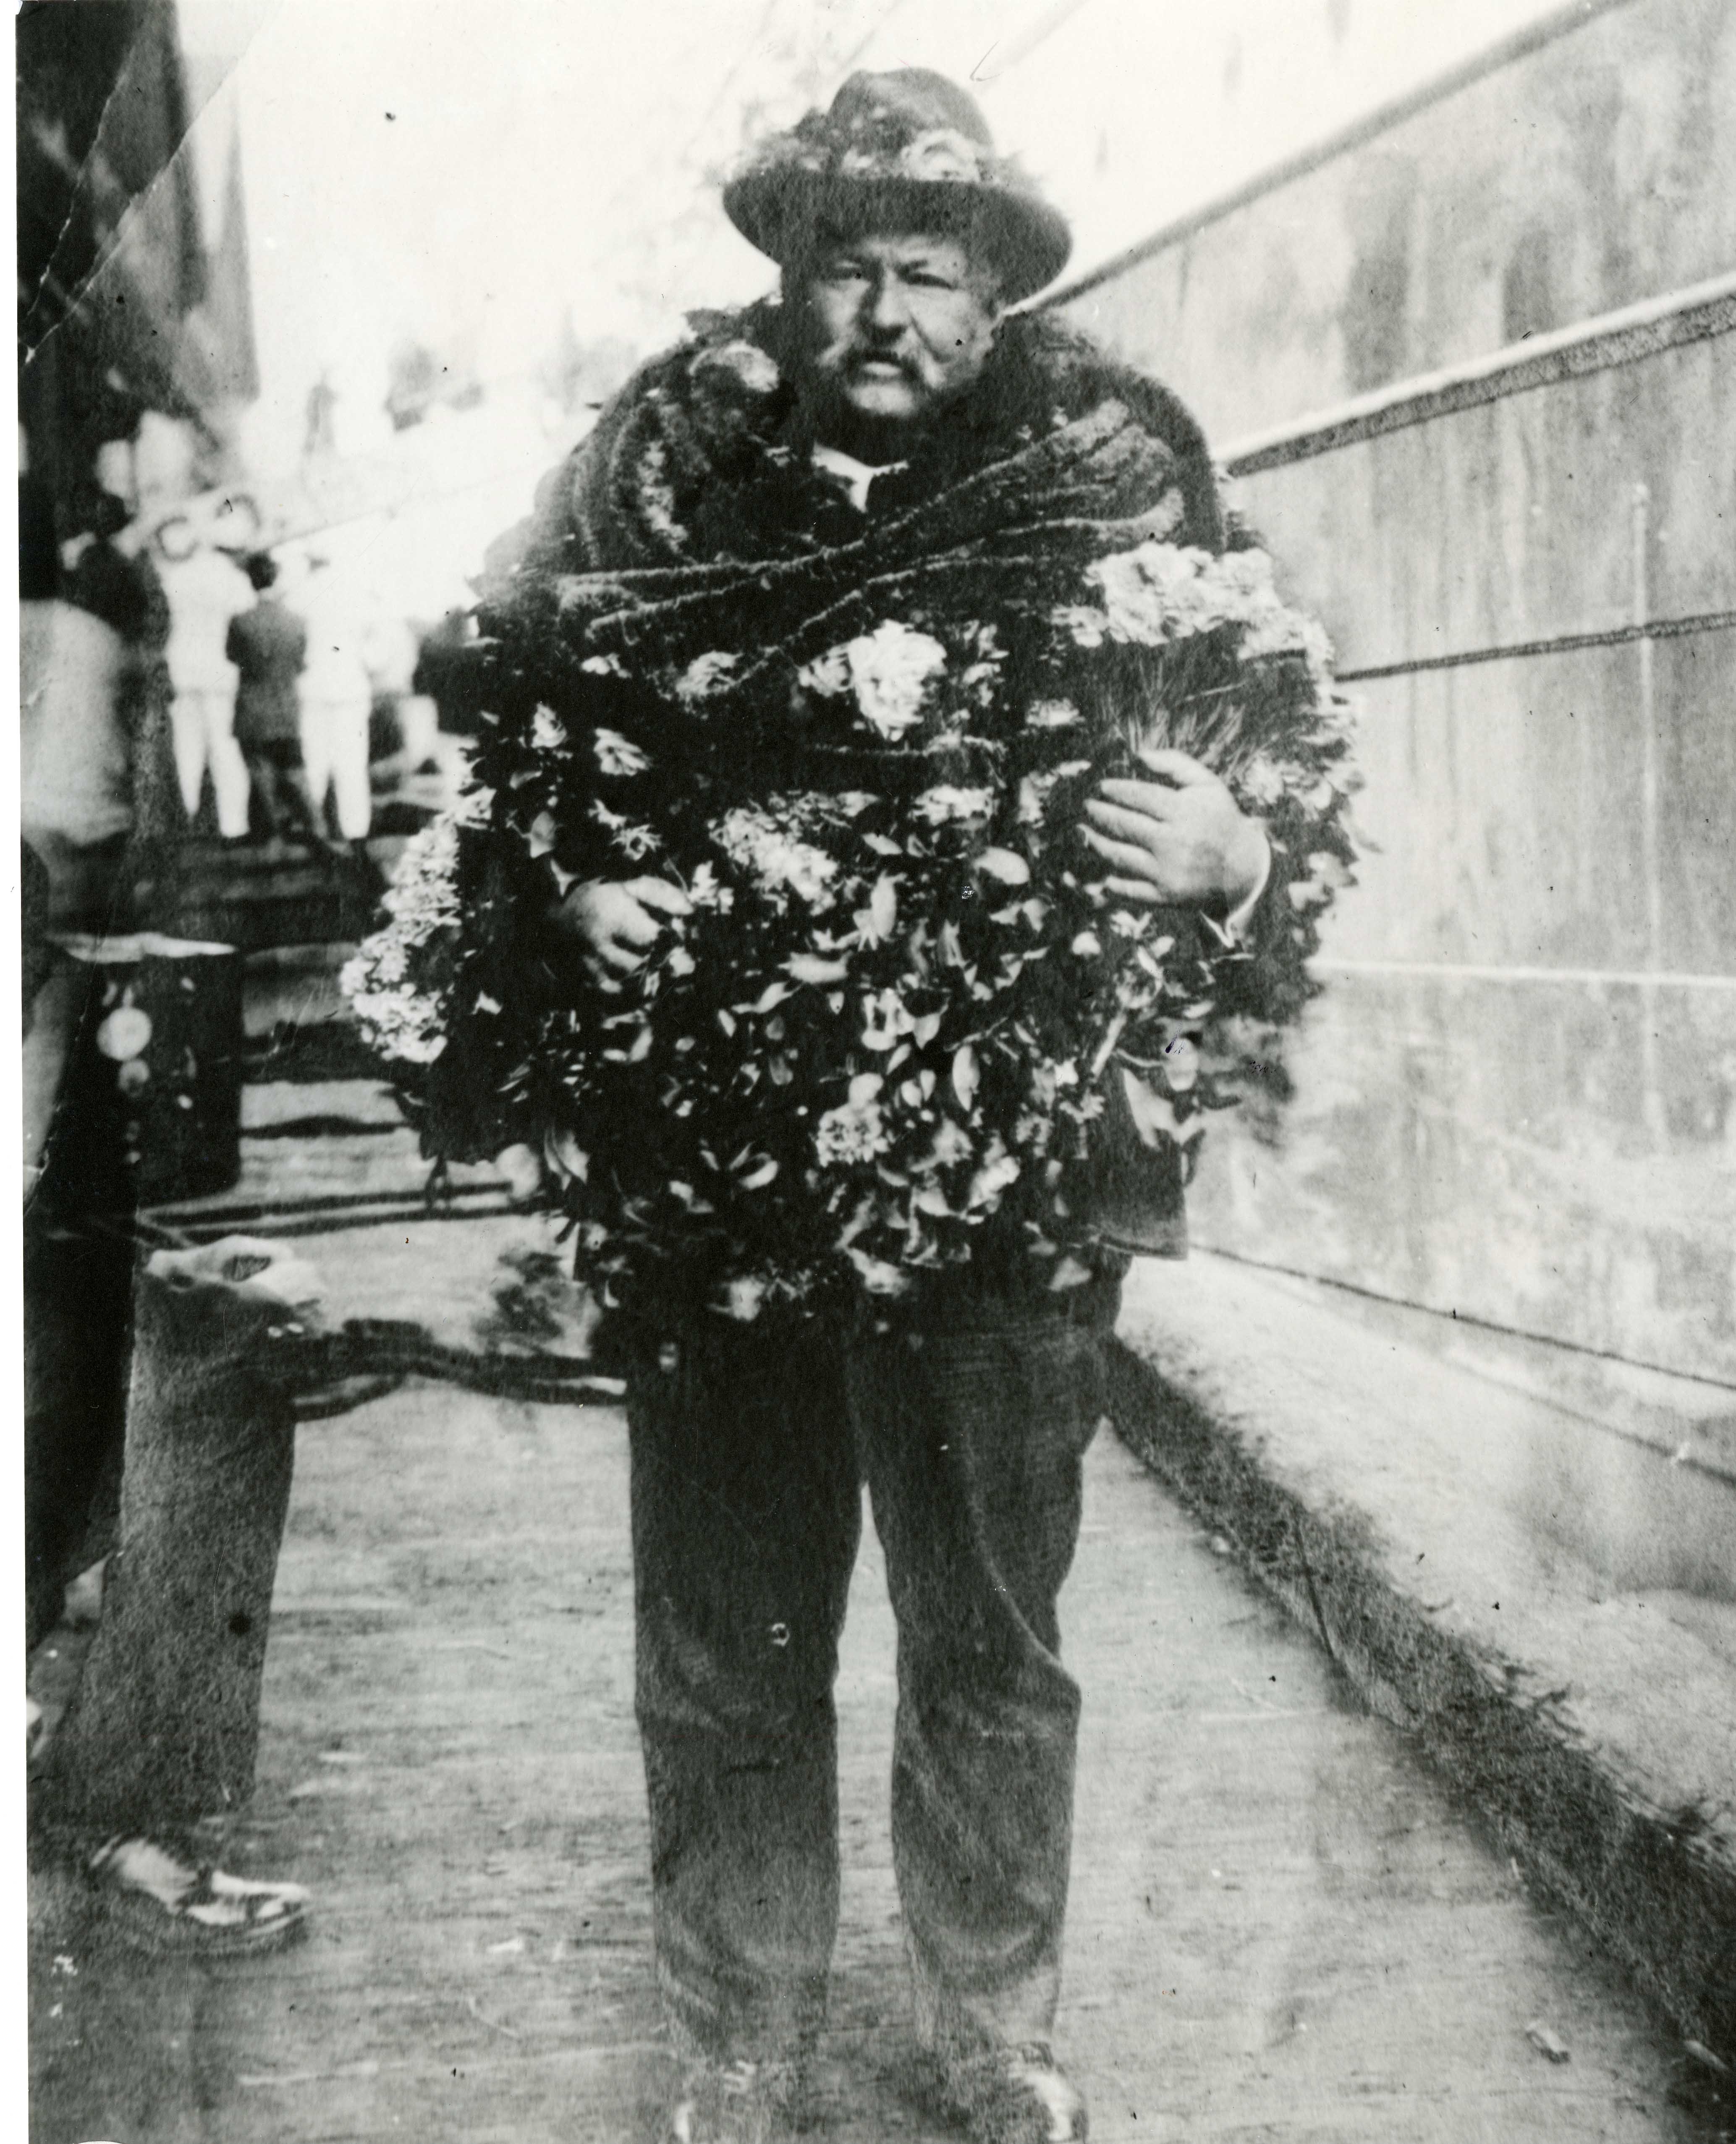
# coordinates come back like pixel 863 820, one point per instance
pixel 1280 1928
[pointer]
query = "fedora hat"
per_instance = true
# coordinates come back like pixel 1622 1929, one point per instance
pixel 909 148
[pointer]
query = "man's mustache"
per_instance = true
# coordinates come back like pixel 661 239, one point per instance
pixel 868 354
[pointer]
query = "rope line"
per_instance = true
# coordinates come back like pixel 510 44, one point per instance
pixel 370 1356
pixel 1560 643
pixel 1486 971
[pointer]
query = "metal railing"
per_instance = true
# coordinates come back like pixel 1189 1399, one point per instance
pixel 1695 314
pixel 1676 320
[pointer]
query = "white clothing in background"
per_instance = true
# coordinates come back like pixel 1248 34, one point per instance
pixel 205 592
pixel 75 773
pixel 336 695
pixel 202 728
pixel 334 758
pixel 418 727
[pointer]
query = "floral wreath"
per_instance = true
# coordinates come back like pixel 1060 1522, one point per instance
pixel 884 1040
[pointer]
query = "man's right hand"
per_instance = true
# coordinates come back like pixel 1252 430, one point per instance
pixel 613 924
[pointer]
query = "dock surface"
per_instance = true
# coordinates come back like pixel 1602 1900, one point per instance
pixel 1282 1926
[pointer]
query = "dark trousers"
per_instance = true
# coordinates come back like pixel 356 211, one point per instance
pixel 77 1341
pixel 163 1728
pixel 280 806
pixel 748 1453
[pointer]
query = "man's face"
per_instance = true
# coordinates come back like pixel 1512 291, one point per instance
pixel 893 324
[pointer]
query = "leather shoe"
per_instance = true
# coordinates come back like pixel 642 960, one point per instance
pixel 1015 2095
pixel 736 2102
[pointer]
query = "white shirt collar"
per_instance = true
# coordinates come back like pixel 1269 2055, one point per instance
pixel 854 476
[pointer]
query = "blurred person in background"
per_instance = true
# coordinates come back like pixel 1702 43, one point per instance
pixel 115 1805
pixel 403 725
pixel 112 577
pixel 336 700
pixel 449 671
pixel 267 645
pixel 76 816
pixel 77 679
pixel 204 586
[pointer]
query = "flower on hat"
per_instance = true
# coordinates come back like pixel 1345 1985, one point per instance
pixel 909 128
pixel 942 153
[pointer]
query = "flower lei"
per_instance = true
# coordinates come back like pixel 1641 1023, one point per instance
pixel 882 1040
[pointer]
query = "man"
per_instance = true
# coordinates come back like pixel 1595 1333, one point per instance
pixel 204 586
pixel 76 744
pixel 105 579
pixel 335 695
pixel 889 376
pixel 268 646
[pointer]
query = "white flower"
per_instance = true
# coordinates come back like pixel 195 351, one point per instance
pixel 424 892
pixel 944 803
pixel 742 1298
pixel 855 1131
pixel 886 1019
pixel 618 755
pixel 635 842
pixel 751 838
pixel 402 1024
pixel 1262 782
pixel 941 153
pixel 999 1169
pixel 705 675
pixel 1083 625
pixel 547 732
pixel 397 1019
pixel 875 923
pixel 1159 593
pixel 705 890
pixel 1156 593
pixel 889 668
pixel 1278 630
pixel 879 1278
pixel 828 675
pixel 952 1143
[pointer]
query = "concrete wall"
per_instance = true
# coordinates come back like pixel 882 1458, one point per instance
pixel 1596 171
pixel 1499 1110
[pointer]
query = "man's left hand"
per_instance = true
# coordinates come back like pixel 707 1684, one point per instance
pixel 1180 841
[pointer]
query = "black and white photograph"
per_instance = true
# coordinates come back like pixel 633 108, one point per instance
pixel 876 955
